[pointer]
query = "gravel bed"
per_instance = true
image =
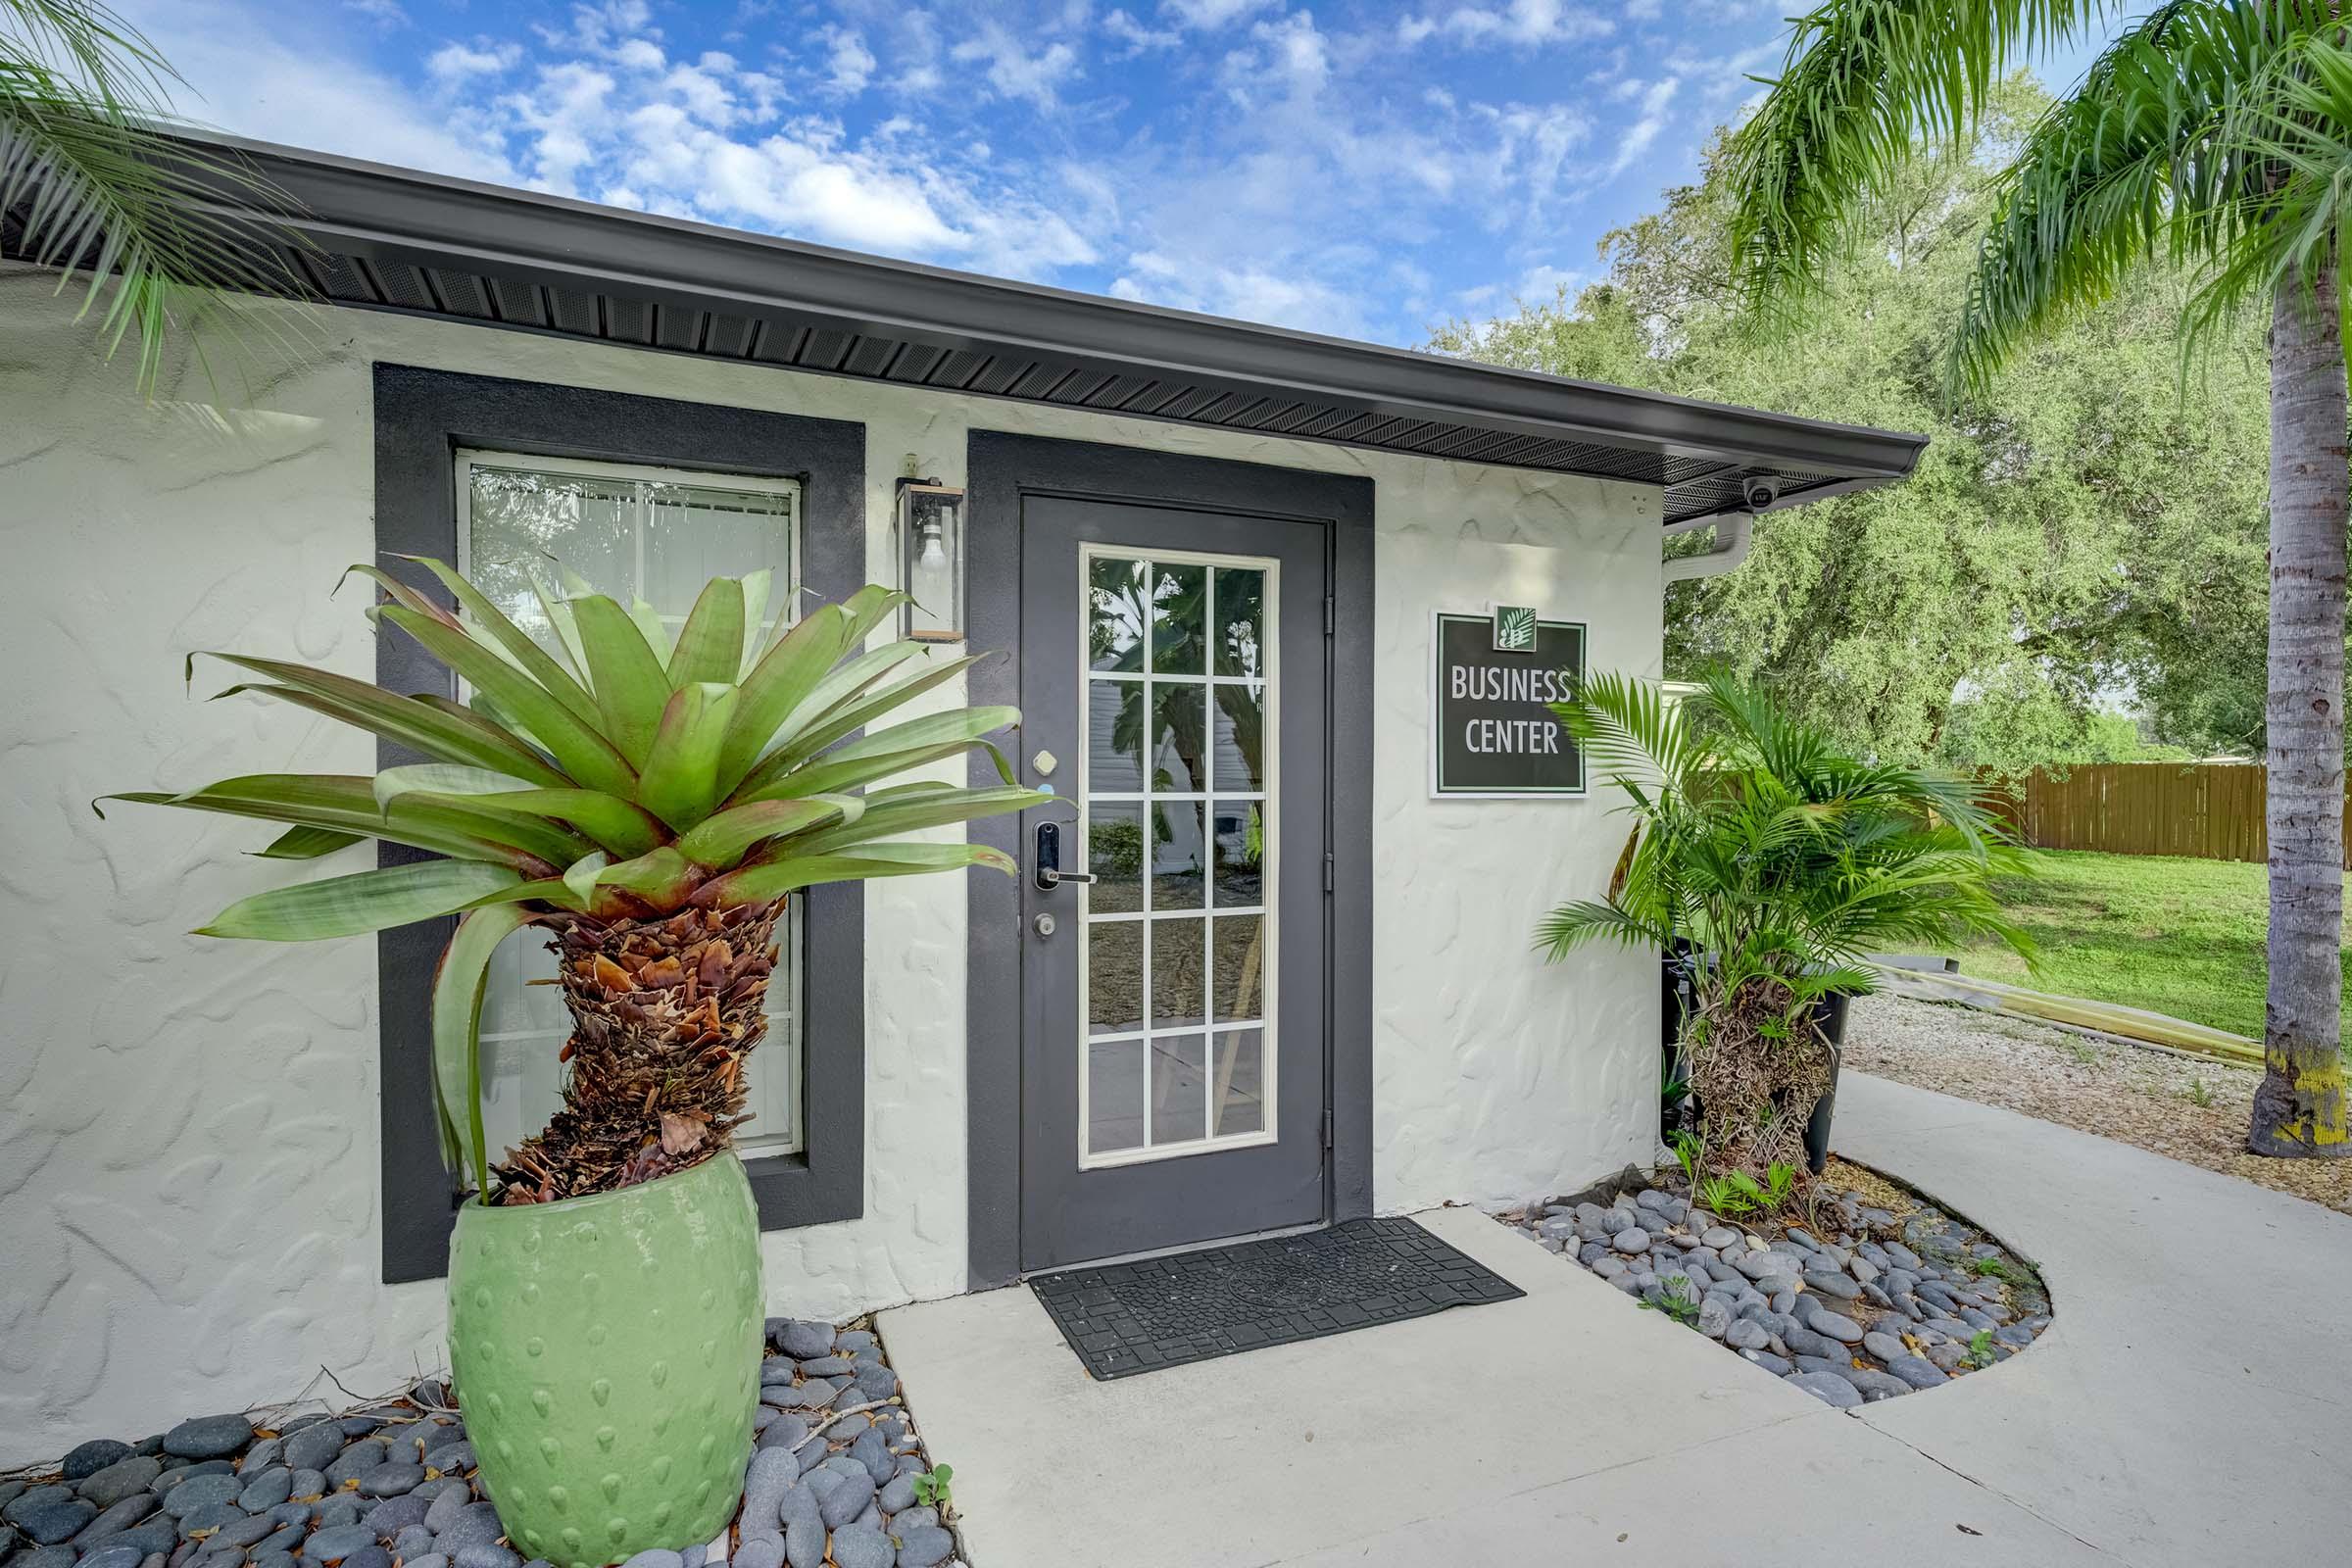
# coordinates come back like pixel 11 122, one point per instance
pixel 831 1477
pixel 2184 1107
pixel 1875 1295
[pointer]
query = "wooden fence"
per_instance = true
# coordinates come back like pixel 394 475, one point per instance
pixel 2209 811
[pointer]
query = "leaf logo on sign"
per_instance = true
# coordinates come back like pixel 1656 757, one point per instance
pixel 1514 629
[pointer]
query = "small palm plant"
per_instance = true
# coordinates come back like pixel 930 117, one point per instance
pixel 648 804
pixel 1785 863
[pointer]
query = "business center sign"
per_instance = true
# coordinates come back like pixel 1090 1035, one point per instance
pixel 1495 735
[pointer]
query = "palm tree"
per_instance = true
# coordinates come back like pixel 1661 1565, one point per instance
pixel 2213 133
pixel 88 183
pixel 1784 864
pixel 648 804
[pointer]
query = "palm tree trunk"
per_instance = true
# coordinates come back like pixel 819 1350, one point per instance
pixel 665 1013
pixel 2299 1109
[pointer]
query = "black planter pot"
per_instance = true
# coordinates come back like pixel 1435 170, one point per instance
pixel 1829 1016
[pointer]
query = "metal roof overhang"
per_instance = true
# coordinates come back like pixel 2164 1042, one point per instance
pixel 395 239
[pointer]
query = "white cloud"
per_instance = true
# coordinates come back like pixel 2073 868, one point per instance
pixel 1139 38
pixel 1656 100
pixel 849 63
pixel 457 62
pixel 386 12
pixel 1209 14
pixel 639 54
pixel 1297 50
pixel 1279 298
pixel 1521 21
pixel 569 105
pixel 1013 71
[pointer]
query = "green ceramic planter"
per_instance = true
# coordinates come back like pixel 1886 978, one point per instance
pixel 607 1354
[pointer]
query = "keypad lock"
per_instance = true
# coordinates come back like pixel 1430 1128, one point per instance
pixel 1046 868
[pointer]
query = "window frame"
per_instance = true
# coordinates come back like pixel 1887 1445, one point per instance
pixel 422 419
pixel 764 1143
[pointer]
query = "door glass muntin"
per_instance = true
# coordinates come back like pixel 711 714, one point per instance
pixel 1176 663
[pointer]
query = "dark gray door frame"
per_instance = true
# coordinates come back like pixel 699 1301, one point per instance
pixel 1001 470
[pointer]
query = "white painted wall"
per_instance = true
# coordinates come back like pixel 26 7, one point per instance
pixel 188 1129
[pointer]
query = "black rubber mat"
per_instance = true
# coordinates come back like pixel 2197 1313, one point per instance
pixel 1125 1318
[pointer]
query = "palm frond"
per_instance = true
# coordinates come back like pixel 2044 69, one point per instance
pixel 2282 224
pixel 2155 155
pixel 160 227
pixel 1866 84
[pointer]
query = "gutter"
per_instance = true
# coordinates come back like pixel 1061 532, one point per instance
pixel 1734 527
pixel 1734 536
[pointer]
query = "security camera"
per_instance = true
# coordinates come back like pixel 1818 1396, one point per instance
pixel 1759 492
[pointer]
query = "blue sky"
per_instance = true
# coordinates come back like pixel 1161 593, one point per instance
pixel 1364 169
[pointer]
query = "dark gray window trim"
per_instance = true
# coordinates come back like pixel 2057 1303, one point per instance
pixel 1000 470
pixel 422 419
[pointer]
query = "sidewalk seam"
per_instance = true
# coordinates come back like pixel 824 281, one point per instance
pixel 1994 1492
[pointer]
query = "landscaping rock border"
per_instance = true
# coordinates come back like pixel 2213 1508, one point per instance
pixel 1877 1293
pixel 832 1477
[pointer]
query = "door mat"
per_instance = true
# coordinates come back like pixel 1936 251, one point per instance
pixel 1125 1318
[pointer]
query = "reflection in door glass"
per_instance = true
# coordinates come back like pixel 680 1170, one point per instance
pixel 1238 1082
pixel 1240 721
pixel 1114 628
pixel 1178 726
pixel 1114 856
pixel 1179 854
pixel 1180 621
pixel 1238 947
pixel 1238 852
pixel 1114 737
pixel 1114 977
pixel 1114 1095
pixel 1240 619
pixel 1179 1089
pixel 1177 660
pixel 1179 970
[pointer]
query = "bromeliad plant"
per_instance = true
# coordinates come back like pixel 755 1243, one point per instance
pixel 648 804
pixel 1785 863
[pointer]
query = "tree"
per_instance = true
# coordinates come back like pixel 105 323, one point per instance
pixel 2213 132
pixel 82 94
pixel 2083 528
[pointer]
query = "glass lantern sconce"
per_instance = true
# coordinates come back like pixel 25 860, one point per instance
pixel 931 559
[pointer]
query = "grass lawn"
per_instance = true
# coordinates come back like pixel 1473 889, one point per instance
pixel 2175 936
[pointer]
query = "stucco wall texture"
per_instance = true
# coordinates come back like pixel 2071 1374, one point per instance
pixel 188 1128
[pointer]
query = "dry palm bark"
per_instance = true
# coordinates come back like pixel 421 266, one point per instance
pixel 2300 1109
pixel 665 1013
pixel 1756 1085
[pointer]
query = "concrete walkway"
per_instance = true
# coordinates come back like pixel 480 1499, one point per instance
pixel 2193 1404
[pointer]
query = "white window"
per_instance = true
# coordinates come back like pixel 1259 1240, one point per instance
pixel 659 536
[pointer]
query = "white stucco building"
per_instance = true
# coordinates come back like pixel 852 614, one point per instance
pixel 218 1172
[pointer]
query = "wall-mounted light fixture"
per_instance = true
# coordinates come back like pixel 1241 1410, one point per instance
pixel 931 559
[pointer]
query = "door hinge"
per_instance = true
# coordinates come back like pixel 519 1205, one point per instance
pixel 1331 616
pixel 1327 1129
pixel 1330 870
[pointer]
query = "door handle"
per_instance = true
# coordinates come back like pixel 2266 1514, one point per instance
pixel 1045 869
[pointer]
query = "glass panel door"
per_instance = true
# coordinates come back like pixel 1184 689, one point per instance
pixel 1176 788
